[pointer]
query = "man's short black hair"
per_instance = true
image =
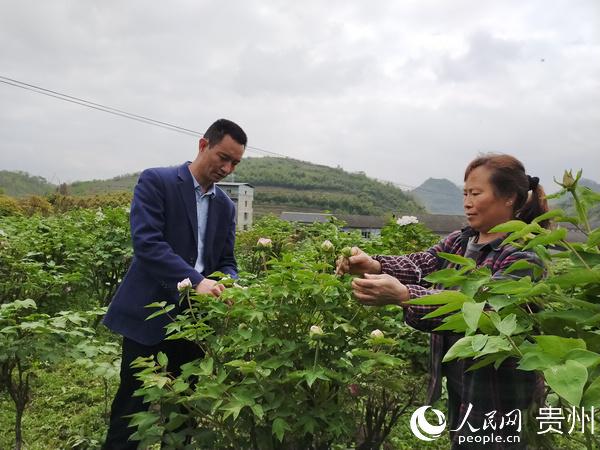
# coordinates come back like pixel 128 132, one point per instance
pixel 223 127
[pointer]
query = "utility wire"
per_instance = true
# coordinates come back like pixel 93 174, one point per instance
pixel 148 120
pixel 114 111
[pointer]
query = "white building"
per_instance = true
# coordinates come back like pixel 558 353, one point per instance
pixel 242 195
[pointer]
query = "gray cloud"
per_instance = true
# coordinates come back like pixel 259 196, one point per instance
pixel 400 90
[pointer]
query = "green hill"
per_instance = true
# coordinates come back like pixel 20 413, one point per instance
pixel 20 184
pixel 440 196
pixel 288 184
pixel 302 185
pixel 120 183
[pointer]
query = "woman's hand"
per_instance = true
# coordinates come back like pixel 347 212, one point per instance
pixel 379 290
pixel 358 264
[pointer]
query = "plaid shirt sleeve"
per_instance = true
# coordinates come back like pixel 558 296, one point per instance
pixel 411 270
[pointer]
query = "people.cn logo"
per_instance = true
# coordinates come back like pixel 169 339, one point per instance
pixel 422 429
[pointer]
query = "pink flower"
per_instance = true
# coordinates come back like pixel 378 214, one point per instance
pixel 354 390
pixel 264 243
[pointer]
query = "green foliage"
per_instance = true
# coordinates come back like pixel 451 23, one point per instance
pixel 34 204
pixel 9 206
pixel 52 260
pixel 27 339
pixel 290 359
pixel 396 239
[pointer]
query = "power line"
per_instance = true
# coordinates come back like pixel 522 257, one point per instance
pixel 114 111
pixel 147 120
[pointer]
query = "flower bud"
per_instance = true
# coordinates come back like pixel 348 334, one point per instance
pixel 347 252
pixel 327 246
pixel 316 330
pixel 184 284
pixel 376 334
pixel 568 180
pixel 264 243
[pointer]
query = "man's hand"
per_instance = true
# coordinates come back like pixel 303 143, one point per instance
pixel 208 286
pixel 358 264
pixel 379 290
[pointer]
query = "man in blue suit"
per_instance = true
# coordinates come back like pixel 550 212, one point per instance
pixel 182 226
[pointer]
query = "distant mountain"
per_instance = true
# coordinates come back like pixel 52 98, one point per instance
pixel 288 184
pixel 440 196
pixel 20 184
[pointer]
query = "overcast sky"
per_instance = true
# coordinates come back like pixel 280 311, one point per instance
pixel 403 90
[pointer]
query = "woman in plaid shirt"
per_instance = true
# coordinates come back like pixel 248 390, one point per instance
pixel 497 189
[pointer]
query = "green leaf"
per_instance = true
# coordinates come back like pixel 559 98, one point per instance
pixel 472 312
pixel 280 426
pixel 494 344
pixel 444 309
pixel 161 312
pixel 585 357
pixel 232 408
pixel 552 237
pixel 312 375
pixel 575 277
pixel 257 410
pixel 508 325
pixel 206 366
pixel 162 359
pixel 486 361
pixel 538 360
pixel 455 323
pixel 567 380
pixel 448 276
pixel 440 298
pixel 509 227
pixel 591 396
pixel 479 341
pixel 554 213
pixel 462 348
pixel 530 228
pixel 457 259
pixel 559 346
pixel 594 238
pixel 524 265
pixel 501 301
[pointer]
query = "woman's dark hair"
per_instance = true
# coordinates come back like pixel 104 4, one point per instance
pixel 223 127
pixel 508 177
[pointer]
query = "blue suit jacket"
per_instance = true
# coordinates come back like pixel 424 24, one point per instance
pixel 164 232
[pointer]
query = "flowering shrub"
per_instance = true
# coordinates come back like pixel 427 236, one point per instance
pixel 405 235
pixel 292 361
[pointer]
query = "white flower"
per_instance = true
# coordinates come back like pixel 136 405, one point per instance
pixel 376 334
pixel 407 220
pixel 264 242
pixel 316 330
pixel 100 215
pixel 327 246
pixel 183 284
pixel 2 233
